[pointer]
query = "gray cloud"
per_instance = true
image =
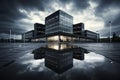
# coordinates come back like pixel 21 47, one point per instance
pixel 34 4
pixel 103 4
pixel 79 5
pixel 104 7
pixel 116 21
pixel 108 10
pixel 10 13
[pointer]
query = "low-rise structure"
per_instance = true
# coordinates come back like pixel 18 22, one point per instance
pixel 91 36
pixel 78 29
pixel 28 36
pixel 39 30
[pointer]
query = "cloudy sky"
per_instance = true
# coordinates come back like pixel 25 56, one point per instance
pixel 20 15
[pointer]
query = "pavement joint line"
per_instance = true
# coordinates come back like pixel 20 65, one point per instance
pixel 7 64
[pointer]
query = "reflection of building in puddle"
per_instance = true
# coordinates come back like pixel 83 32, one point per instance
pixel 90 61
pixel 59 57
pixel 59 61
pixel 60 46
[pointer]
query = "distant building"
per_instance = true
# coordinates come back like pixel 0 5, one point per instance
pixel 39 33
pixel 78 29
pixel 28 36
pixel 91 36
pixel 39 30
pixel 84 35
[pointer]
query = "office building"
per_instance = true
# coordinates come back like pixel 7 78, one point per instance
pixel 59 21
pixel 59 28
pixel 78 29
pixel 91 36
pixel 39 30
pixel 28 36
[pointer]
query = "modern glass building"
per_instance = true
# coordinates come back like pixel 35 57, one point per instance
pixel 91 35
pixel 39 30
pixel 28 36
pixel 78 29
pixel 59 22
pixel 59 27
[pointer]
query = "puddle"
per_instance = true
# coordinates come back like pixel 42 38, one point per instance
pixel 60 58
pixel 66 62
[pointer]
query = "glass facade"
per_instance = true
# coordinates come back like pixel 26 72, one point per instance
pixel 78 29
pixel 59 21
pixel 28 36
pixel 90 34
pixel 60 38
pixel 53 38
pixel 39 29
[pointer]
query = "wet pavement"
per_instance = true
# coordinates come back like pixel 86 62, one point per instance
pixel 10 52
pixel 93 67
pixel 109 50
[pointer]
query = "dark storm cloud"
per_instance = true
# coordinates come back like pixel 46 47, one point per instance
pixel 78 4
pixel 9 11
pixel 103 8
pixel 103 4
pixel 116 21
pixel 10 14
pixel 34 4
pixel 16 29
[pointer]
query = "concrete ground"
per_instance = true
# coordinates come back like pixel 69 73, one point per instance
pixel 109 50
pixel 10 52
pixel 101 63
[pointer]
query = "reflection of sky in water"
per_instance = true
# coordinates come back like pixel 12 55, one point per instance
pixel 32 65
pixel 91 60
pixel 93 67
